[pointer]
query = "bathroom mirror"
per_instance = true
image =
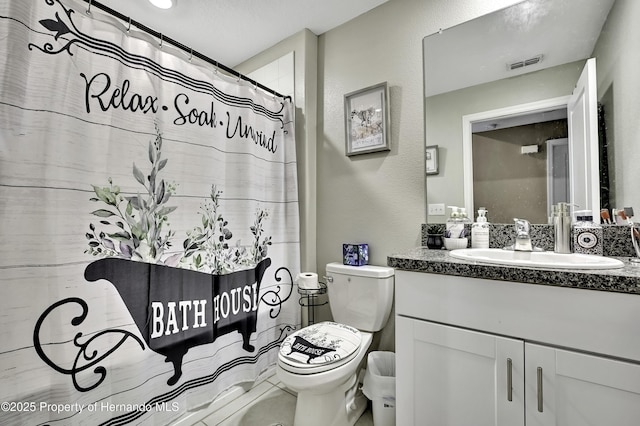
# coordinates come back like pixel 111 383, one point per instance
pixel 531 54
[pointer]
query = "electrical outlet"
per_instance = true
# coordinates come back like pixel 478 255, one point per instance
pixel 436 210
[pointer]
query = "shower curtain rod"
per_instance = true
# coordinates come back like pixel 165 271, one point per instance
pixel 179 45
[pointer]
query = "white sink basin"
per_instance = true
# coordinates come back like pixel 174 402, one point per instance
pixel 537 259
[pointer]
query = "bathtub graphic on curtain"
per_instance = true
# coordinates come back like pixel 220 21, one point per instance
pixel 176 309
pixel 215 292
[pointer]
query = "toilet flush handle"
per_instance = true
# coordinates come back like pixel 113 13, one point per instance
pixel 328 279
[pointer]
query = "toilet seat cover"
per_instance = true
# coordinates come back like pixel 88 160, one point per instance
pixel 320 344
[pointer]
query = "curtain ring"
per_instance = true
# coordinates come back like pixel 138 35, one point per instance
pixel 161 40
pixel 191 55
pixel 89 8
pixel 129 27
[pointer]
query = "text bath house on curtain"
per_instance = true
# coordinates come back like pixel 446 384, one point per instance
pixel 149 223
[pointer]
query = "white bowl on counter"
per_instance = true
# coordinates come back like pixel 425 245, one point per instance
pixel 455 243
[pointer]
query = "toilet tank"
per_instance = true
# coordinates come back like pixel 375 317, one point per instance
pixel 360 296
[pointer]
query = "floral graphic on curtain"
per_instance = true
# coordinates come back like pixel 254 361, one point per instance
pixel 140 231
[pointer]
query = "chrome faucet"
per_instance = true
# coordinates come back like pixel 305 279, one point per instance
pixel 523 238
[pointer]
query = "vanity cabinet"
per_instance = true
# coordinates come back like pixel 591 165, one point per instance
pixel 483 352
pixel 571 388
pixel 451 376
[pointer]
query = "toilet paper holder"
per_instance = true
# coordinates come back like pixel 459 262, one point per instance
pixel 309 300
pixel 322 289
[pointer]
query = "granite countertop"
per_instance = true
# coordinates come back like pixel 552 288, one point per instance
pixel 422 259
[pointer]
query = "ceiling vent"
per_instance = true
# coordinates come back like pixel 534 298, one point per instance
pixel 525 63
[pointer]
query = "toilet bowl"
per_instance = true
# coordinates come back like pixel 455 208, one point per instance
pixel 327 395
pixel 322 362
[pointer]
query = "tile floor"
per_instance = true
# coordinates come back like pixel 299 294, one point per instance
pixel 268 404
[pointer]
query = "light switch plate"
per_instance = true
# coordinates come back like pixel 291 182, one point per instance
pixel 435 210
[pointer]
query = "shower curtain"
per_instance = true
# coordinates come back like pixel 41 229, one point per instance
pixel 149 223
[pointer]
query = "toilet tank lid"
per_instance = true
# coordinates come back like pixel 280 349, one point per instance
pixel 362 271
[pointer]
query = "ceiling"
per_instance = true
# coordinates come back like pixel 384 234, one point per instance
pixel 232 31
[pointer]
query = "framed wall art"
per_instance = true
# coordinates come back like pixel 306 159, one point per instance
pixel 366 116
pixel 431 158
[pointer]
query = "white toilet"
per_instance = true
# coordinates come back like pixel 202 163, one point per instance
pixel 321 362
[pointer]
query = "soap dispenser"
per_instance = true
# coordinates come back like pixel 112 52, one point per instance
pixel 480 231
pixel 587 235
pixel 463 215
pixel 454 225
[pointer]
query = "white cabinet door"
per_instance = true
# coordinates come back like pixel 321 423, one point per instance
pixel 448 376
pixel 567 388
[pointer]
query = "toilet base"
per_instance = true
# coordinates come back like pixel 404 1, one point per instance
pixel 341 407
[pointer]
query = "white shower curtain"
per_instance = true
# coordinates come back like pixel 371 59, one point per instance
pixel 149 223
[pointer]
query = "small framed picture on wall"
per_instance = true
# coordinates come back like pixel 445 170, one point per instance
pixel 431 157
pixel 366 117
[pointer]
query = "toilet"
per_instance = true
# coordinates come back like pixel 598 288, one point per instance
pixel 322 362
